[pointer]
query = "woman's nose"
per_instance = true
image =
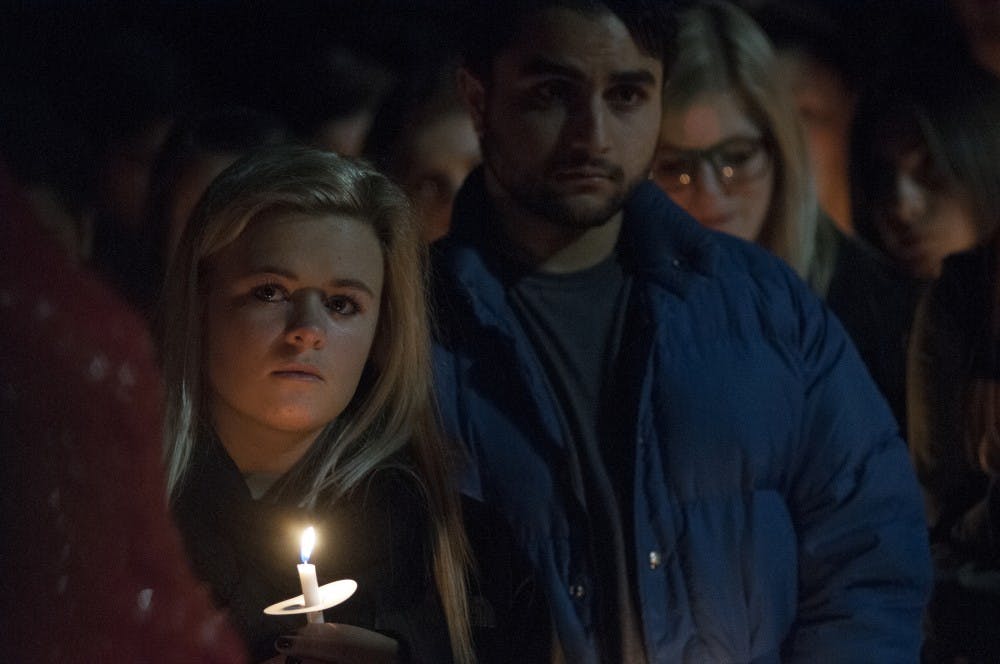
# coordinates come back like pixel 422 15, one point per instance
pixel 307 326
pixel 708 182
pixel 911 200
pixel 707 198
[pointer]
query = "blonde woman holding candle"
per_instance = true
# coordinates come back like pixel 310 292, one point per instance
pixel 298 393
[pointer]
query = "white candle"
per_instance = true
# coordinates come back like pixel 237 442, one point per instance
pixel 307 576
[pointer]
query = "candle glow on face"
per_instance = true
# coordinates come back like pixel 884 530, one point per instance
pixel 308 541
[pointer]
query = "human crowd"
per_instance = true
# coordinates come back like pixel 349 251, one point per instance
pixel 581 331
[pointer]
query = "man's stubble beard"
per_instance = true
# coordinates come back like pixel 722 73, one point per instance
pixel 543 201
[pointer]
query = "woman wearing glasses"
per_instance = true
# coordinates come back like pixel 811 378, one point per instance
pixel 732 153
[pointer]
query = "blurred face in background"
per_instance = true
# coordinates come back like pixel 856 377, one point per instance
pixel 980 20
pixel 192 182
pixel 825 104
pixel 125 174
pixel 345 136
pixel 441 153
pixel 714 162
pixel 921 214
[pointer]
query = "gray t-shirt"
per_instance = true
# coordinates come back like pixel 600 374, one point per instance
pixel 575 323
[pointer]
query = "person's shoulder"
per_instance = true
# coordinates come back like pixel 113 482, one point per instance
pixel 965 276
pixel 862 271
pixel 855 255
pixel 965 284
pixel 394 482
pixel 387 505
pixel 967 267
pixel 665 233
pixel 747 264
pixel 68 302
pixel 61 316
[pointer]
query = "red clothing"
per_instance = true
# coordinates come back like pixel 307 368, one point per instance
pixel 93 569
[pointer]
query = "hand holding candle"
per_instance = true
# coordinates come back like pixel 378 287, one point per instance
pixel 314 598
pixel 307 576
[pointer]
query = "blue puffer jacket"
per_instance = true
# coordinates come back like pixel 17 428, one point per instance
pixel 776 513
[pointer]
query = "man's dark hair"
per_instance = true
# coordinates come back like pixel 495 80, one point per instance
pixel 492 25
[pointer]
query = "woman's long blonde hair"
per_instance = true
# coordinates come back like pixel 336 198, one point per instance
pixel 719 48
pixel 392 411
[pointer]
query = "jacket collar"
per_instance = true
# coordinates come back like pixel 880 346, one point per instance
pixel 659 242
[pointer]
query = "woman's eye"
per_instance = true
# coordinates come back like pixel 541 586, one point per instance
pixel 674 167
pixel 342 305
pixel 738 154
pixel 737 158
pixel 270 293
pixel 429 190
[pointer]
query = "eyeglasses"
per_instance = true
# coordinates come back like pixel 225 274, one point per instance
pixel 735 161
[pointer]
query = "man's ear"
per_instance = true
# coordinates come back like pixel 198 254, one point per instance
pixel 473 94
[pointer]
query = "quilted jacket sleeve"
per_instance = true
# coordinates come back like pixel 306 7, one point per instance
pixel 864 564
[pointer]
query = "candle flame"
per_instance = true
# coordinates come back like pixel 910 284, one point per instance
pixel 308 541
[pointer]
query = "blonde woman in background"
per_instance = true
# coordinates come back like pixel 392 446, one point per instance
pixel 732 153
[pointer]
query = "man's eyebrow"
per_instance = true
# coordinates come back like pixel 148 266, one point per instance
pixel 634 77
pixel 543 66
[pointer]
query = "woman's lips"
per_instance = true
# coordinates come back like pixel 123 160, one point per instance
pixel 299 372
pixel 718 221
